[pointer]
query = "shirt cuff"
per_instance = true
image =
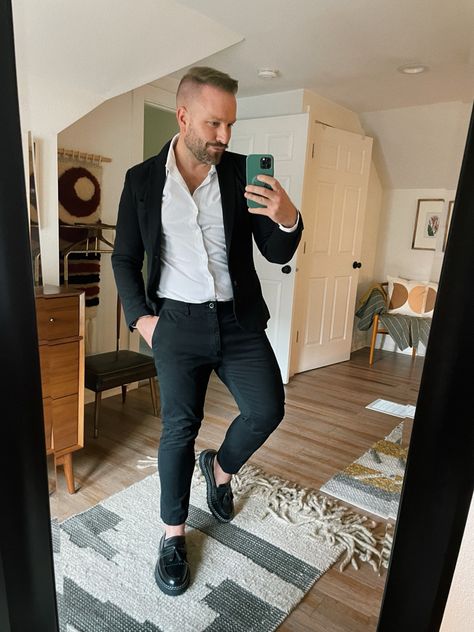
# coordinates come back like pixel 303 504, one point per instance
pixel 293 228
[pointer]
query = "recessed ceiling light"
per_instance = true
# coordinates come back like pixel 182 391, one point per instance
pixel 412 69
pixel 267 73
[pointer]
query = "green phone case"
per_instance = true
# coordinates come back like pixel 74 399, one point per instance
pixel 253 169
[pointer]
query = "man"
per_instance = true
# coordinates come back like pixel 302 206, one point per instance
pixel 203 308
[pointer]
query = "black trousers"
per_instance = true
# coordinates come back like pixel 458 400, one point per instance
pixel 189 342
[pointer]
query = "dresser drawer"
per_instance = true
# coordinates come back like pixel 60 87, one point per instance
pixel 59 369
pixel 65 412
pixel 57 317
pixel 63 369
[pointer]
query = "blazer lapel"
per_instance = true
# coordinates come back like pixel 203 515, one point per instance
pixel 154 194
pixel 227 187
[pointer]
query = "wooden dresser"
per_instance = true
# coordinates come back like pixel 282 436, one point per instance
pixel 60 320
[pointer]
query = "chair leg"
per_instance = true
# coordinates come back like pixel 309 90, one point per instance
pixel 124 393
pixel 375 325
pixel 98 398
pixel 154 396
pixel 413 353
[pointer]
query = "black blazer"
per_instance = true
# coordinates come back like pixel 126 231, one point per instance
pixel 139 231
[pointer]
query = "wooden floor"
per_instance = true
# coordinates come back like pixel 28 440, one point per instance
pixel 326 427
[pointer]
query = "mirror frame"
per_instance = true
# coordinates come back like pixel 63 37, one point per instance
pixel 418 581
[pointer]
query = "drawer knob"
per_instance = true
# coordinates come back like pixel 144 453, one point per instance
pixel 51 320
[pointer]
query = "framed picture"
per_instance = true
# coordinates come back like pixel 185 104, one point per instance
pixel 427 224
pixel 448 223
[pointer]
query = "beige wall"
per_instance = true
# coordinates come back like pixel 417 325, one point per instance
pixel 330 113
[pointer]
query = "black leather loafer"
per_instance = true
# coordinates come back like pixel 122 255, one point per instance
pixel 172 569
pixel 219 497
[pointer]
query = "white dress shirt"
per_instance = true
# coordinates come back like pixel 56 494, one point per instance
pixel 193 252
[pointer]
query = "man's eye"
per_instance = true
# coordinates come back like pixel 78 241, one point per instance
pixel 214 123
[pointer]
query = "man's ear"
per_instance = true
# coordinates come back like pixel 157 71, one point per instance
pixel 182 116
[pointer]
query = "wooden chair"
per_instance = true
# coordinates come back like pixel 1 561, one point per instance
pixel 378 328
pixel 118 368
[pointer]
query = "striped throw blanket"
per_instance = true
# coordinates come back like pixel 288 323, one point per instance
pixel 406 331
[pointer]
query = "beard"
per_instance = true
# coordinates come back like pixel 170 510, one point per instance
pixel 200 149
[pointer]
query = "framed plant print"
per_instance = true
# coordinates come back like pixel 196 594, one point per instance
pixel 427 224
pixel 448 223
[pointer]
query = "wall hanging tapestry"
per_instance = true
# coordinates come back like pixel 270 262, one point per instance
pixel 79 190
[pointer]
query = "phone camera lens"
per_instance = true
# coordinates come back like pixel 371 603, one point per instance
pixel 265 162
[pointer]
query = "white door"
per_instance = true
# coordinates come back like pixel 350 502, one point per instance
pixel 334 202
pixel 285 137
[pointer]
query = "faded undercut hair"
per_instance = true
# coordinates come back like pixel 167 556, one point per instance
pixel 204 76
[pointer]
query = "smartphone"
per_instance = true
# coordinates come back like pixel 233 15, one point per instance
pixel 258 164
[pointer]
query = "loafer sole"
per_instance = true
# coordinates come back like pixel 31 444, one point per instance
pixel 173 591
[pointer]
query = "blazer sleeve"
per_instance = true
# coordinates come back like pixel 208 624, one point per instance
pixel 276 245
pixel 128 256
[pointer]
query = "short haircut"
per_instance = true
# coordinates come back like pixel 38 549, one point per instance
pixel 204 76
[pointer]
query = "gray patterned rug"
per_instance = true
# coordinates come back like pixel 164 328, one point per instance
pixel 246 576
pixel 374 482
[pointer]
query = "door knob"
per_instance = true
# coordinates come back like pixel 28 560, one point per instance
pixel 286 269
pixel 356 264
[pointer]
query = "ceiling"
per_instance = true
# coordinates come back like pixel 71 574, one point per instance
pixel 348 50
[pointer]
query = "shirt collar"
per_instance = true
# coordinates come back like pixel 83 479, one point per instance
pixel 171 166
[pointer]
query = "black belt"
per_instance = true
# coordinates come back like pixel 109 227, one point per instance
pixel 222 307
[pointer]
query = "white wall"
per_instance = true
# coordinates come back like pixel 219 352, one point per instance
pixel 276 104
pixel 459 611
pixel 395 256
pixel 418 153
pixel 106 131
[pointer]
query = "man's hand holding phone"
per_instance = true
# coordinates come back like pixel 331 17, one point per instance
pixel 268 198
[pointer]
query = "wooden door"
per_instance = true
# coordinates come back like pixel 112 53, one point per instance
pixel 335 195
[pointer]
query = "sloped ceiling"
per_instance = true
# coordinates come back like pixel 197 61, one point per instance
pixel 419 147
pixel 72 56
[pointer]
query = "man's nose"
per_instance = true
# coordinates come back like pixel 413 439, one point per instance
pixel 223 134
